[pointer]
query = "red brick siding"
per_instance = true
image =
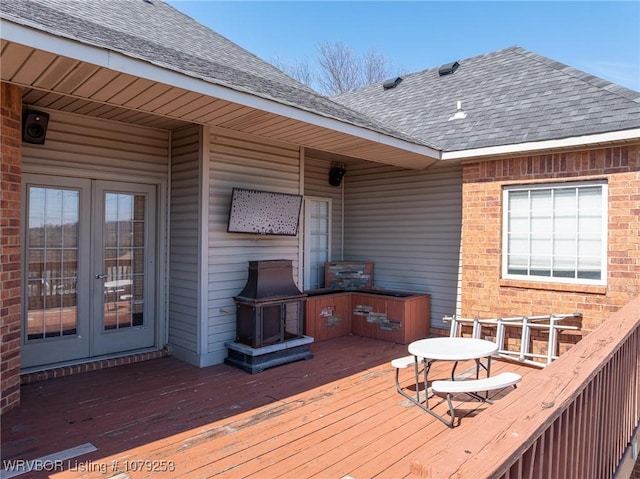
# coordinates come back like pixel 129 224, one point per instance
pixel 95 365
pixel 485 294
pixel 10 263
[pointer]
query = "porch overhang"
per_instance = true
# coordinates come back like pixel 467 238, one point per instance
pixel 70 75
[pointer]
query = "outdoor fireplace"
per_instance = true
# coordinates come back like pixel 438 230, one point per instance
pixel 269 319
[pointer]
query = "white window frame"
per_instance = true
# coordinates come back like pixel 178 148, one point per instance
pixel 553 279
pixel 308 201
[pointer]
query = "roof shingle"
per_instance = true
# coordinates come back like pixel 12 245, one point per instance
pixel 510 96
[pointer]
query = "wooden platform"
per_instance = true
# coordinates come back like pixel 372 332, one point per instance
pixel 332 416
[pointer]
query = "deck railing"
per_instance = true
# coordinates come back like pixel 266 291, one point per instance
pixel 577 418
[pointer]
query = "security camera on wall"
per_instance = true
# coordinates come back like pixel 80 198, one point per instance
pixel 34 126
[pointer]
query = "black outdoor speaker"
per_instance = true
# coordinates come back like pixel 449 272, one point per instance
pixel 34 126
pixel 335 175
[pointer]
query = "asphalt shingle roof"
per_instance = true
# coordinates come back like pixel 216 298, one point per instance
pixel 510 96
pixel 156 32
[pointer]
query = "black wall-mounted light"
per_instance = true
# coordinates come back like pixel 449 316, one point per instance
pixel 34 126
pixel 335 175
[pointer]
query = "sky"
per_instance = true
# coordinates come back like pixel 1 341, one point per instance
pixel 600 38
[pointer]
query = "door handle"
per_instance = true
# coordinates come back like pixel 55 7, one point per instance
pixel 101 276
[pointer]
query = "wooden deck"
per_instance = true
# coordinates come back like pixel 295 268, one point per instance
pixel 332 416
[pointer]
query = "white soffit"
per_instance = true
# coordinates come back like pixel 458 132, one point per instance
pixel 112 60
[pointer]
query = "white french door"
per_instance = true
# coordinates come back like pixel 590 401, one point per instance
pixel 89 269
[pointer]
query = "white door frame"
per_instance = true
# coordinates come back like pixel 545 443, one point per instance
pixel 308 201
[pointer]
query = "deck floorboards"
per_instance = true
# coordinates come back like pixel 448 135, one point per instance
pixel 331 416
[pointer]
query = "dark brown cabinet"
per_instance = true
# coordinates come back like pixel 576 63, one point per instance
pixel 328 316
pixel 391 316
pixel 399 317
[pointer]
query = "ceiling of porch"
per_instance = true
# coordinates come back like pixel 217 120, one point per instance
pixel 61 83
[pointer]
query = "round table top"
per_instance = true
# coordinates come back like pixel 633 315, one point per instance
pixel 453 349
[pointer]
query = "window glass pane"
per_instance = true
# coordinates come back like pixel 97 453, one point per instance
pixel 541 201
pixel 565 223
pixel 53 218
pixel 519 202
pixel 590 199
pixel 555 232
pixel 518 245
pixel 124 257
pixel 540 261
pixel 319 242
pixel 318 258
pixel 36 216
pixel 565 201
pixel 564 266
pixel 322 208
pixel 138 234
pixel 52 262
pixel 519 224
pixel 542 225
pixel 540 253
pixel 138 202
pixel 590 224
pixel 518 261
pixel 590 247
pixel 319 226
pixel 565 246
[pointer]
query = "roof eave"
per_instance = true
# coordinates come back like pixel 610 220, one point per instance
pixel 599 139
pixel 120 62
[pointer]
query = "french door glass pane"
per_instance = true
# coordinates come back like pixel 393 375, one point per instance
pixel 124 260
pixel 52 262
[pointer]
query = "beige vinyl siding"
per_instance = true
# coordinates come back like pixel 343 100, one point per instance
pixel 243 161
pixel 316 183
pixel 408 223
pixel 88 147
pixel 185 234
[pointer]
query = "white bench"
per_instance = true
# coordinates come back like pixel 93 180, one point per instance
pixel 499 381
pixel 403 363
pixel 473 386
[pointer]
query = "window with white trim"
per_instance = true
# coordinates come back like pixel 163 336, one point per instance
pixel 317 235
pixel 555 233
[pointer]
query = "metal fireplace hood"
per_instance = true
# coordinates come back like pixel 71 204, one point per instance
pixel 270 280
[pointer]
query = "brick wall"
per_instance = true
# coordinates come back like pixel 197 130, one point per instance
pixel 485 294
pixel 10 264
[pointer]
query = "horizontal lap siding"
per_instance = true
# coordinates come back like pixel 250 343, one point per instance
pixel 89 147
pixel 242 161
pixel 183 258
pixel 408 223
